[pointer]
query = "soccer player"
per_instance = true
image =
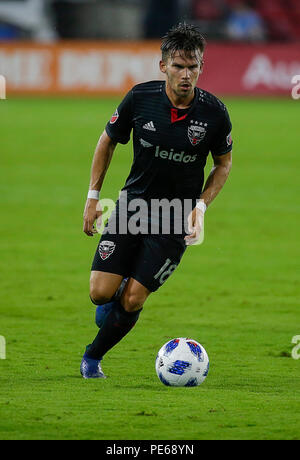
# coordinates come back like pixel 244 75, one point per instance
pixel 175 126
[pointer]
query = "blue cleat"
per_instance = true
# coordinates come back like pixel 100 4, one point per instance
pixel 103 310
pixel 91 368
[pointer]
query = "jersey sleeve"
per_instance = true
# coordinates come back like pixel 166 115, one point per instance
pixel 120 125
pixel 223 141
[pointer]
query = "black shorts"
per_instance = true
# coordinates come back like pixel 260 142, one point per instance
pixel 149 259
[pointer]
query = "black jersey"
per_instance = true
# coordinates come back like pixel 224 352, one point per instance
pixel 170 145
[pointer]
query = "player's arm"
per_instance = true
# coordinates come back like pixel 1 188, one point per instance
pixel 217 177
pixel 213 185
pixel 101 161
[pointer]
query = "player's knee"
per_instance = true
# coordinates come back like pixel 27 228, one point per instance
pixel 98 296
pixel 132 301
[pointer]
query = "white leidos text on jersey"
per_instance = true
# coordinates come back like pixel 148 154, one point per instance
pixel 174 156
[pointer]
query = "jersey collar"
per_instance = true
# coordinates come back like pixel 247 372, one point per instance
pixel 174 110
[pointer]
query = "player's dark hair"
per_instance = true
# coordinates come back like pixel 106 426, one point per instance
pixel 185 37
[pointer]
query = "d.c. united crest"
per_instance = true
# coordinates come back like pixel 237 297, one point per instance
pixel 196 132
pixel 106 248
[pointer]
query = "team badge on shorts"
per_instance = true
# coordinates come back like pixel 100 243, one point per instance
pixel 106 248
pixel 196 132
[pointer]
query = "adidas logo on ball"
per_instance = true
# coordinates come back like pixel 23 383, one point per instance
pixel 174 156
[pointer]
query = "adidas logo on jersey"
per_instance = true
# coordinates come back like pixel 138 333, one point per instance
pixel 150 126
pixel 174 156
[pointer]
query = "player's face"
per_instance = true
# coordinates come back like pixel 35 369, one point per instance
pixel 182 73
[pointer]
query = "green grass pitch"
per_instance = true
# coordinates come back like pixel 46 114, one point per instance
pixel 237 294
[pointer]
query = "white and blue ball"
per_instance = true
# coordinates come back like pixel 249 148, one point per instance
pixel 182 362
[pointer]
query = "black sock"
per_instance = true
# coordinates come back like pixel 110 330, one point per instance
pixel 117 324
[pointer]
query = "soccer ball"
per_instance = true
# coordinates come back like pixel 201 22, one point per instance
pixel 182 362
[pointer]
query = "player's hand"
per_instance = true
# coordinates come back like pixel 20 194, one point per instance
pixel 195 226
pixel 92 213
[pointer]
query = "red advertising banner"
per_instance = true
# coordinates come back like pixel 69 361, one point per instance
pixel 107 68
pixel 250 69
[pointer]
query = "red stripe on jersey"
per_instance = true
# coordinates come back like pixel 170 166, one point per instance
pixel 174 116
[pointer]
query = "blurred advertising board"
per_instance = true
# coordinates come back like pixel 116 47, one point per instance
pixel 112 68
